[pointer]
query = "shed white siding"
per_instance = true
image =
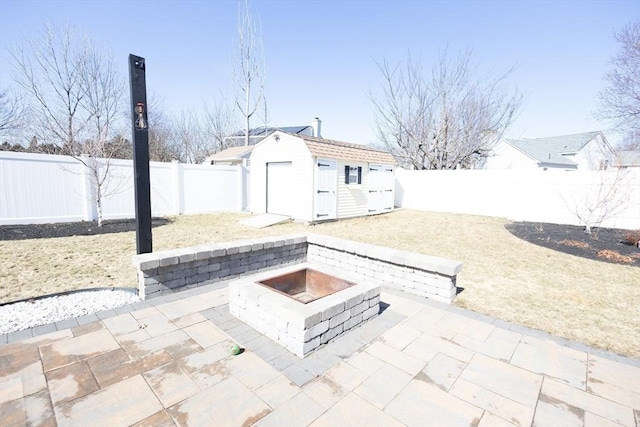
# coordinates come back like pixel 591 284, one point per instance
pixel 353 199
pixel 287 148
pixel 305 195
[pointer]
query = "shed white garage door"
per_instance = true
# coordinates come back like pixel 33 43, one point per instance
pixel 381 183
pixel 279 179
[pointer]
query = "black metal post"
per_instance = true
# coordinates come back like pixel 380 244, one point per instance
pixel 138 84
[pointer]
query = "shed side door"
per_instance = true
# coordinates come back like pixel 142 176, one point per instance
pixel 381 183
pixel 326 185
pixel 279 179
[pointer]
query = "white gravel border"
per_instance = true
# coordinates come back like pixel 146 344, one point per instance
pixel 28 314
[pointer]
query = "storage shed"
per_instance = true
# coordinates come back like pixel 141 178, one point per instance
pixel 316 179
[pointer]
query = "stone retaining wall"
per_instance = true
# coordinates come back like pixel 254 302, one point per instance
pixel 164 272
pixel 423 275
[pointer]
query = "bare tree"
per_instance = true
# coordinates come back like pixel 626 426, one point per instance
pixel 265 115
pixel 450 117
pixel 76 96
pixel 191 141
pixel 631 141
pixel 218 123
pixel 620 101
pixel 162 147
pixel 248 67
pixel 103 103
pixel 120 147
pixel 49 68
pixel 606 197
pixel 12 112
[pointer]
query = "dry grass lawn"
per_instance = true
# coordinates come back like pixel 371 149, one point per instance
pixel 593 302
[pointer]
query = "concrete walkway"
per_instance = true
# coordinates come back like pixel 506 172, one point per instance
pixel 166 362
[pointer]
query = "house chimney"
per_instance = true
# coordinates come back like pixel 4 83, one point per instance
pixel 315 124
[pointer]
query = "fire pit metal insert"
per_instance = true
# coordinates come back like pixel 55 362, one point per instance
pixel 306 285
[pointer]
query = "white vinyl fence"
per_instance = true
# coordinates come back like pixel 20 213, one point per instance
pixel 538 196
pixel 40 188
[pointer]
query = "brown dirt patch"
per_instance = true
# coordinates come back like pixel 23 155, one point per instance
pixel 574 244
pixel 614 256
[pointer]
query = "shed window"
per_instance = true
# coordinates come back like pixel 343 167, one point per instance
pixel 352 175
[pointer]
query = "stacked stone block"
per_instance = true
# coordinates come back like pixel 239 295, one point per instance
pixel 165 272
pixel 301 328
pixel 423 275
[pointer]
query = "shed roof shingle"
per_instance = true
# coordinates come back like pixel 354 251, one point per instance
pixel 329 148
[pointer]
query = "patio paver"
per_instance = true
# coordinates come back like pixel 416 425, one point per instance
pixel 420 402
pixel 383 385
pixel 167 363
pixel 122 403
pixel 227 403
pixel 352 410
pixel 564 364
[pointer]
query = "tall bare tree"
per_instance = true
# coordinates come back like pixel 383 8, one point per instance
pixel 190 138
pixel 218 123
pixel 76 98
pixel 162 147
pixel 50 67
pixel 446 118
pixel 12 113
pixel 248 67
pixel 103 104
pixel 620 100
pixel 631 142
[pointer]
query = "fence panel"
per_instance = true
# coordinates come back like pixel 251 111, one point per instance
pixel 554 197
pixel 163 189
pixel 39 188
pixel 210 188
pixel 118 192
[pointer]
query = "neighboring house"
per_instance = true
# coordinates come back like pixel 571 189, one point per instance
pixel 314 179
pixel 583 151
pixel 237 152
pixel 258 134
pixel 627 159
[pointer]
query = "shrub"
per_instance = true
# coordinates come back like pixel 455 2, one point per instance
pixel 632 237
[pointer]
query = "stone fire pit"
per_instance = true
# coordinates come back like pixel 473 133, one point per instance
pixel 304 306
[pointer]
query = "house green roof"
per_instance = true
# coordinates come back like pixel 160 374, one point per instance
pixel 554 149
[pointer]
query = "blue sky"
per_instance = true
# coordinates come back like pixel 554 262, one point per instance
pixel 320 55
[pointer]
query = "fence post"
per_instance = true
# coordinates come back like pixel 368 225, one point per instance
pixel 240 187
pixel 178 187
pixel 90 212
